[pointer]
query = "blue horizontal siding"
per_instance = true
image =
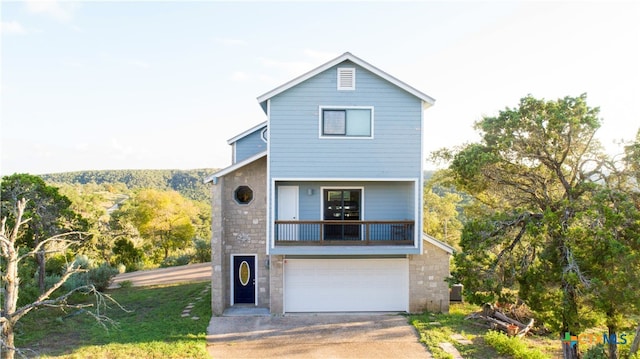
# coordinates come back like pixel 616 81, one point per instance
pixel 297 151
pixel 250 145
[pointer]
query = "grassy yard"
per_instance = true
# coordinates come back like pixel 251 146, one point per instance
pixel 438 328
pixel 154 327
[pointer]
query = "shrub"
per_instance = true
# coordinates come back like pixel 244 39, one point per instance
pixel 172 261
pixel 125 284
pixel 512 346
pixel 121 268
pixel 55 264
pixel 595 352
pixel 82 261
pixel 27 272
pixel 50 280
pixel 76 280
pixel 101 276
pixel 203 251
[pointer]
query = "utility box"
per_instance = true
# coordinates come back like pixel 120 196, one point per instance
pixel 455 293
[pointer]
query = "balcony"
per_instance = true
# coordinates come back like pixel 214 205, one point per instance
pixel 344 233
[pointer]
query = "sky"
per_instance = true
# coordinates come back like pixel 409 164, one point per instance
pixel 164 85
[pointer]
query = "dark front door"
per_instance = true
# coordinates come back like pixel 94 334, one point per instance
pixel 244 279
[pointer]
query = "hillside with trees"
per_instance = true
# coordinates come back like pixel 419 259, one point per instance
pixel 189 183
pixel 110 222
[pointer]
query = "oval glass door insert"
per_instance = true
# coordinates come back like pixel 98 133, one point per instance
pixel 244 273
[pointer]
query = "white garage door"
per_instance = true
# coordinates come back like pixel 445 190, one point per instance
pixel 346 285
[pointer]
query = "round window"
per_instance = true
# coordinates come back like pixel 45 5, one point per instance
pixel 243 195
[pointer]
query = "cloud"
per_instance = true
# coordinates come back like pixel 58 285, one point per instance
pixel 59 11
pixel 230 41
pixel 240 76
pixel 82 147
pixel 290 67
pixel 120 151
pixel 13 27
pixel 295 68
pixel 138 63
pixel 322 56
pixel 72 62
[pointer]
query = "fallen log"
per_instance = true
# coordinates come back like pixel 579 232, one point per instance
pixel 504 318
pixel 526 329
pixel 497 320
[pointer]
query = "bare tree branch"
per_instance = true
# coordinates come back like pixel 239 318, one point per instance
pixel 10 315
pixel 522 220
pixel 59 238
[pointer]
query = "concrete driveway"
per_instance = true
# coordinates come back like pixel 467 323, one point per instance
pixel 314 336
pixel 182 274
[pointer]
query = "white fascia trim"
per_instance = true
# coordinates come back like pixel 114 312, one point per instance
pixel 235 166
pixel 246 133
pixel 420 189
pixel 271 202
pixel 445 247
pixel 267 228
pixel 233 153
pixel 427 100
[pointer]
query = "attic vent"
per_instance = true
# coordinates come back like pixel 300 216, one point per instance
pixel 346 78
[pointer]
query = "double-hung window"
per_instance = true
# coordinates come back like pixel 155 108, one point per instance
pixel 346 122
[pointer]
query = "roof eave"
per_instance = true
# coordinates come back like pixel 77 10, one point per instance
pixel 445 247
pixel 214 177
pixel 245 133
pixel 427 100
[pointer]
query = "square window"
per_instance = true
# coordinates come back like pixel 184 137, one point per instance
pixel 334 122
pixel 351 122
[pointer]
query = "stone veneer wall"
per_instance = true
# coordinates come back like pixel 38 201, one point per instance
pixel 277 281
pixel 427 288
pixel 239 229
pixel 217 233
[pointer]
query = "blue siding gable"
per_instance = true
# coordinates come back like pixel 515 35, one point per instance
pixel 249 145
pixel 298 151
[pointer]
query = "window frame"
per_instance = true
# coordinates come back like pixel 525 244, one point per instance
pixel 323 108
pixel 240 201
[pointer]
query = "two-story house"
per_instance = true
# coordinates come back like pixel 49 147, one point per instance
pixel 321 209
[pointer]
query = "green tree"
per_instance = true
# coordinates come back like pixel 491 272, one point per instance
pixel 609 253
pixel 90 202
pixel 535 173
pixel 50 213
pixel 126 253
pixel 164 219
pixel 441 219
pixel 611 245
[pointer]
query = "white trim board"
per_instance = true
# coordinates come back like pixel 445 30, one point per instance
pixel 427 100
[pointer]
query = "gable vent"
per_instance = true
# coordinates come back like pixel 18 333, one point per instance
pixel 346 78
